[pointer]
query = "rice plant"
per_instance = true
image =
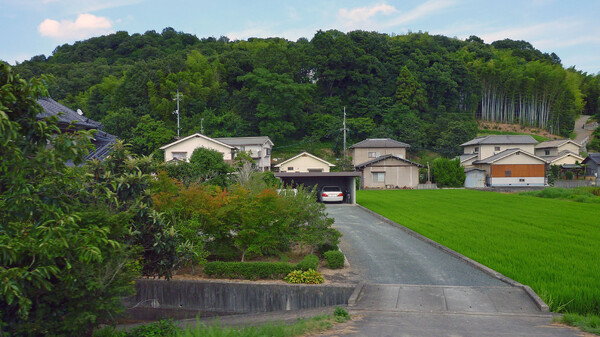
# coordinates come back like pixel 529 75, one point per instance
pixel 549 244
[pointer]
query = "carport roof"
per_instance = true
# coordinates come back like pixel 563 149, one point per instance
pixel 316 174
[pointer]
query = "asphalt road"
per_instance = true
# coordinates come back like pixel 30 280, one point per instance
pixel 382 253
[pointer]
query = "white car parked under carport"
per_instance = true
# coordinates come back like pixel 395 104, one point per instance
pixel 331 194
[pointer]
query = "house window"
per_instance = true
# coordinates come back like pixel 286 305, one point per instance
pixel 476 149
pixel 521 180
pixel 378 177
pixel 290 168
pixel 268 151
pixel 373 154
pixel 315 170
pixel 179 155
pixel 547 152
pixel 507 173
pixel 497 148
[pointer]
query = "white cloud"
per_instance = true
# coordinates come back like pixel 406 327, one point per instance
pixel 362 14
pixel 423 10
pixel 86 25
pixel 370 18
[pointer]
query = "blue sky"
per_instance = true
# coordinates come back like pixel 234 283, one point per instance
pixel 571 29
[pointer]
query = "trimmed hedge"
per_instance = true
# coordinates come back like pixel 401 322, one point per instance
pixel 308 262
pixel 335 259
pixel 259 270
pixel 249 270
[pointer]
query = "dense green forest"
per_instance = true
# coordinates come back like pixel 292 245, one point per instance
pixel 426 90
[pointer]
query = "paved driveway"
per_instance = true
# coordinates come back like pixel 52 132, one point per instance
pixel 414 289
pixel 382 253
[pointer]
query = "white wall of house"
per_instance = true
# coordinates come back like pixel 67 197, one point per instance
pixel 261 153
pixel 517 181
pixel 518 158
pixel 364 154
pixel 568 159
pixel 390 172
pixel 184 150
pixel 488 150
pixel 468 163
pixel 304 163
pixel 554 151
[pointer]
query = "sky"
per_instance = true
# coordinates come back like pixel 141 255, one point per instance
pixel 571 29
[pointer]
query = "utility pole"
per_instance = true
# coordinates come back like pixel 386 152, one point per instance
pixel 177 111
pixel 202 125
pixel 344 134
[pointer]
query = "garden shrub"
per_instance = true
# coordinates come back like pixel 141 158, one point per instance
pixel 341 315
pixel 309 262
pixel 335 259
pixel 310 276
pixel 248 270
pixel 325 247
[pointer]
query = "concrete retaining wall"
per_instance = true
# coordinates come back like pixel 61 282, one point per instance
pixel 573 183
pixel 235 297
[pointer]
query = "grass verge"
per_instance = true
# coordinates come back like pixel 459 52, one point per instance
pixel 580 194
pixel 167 328
pixel 550 245
pixel 587 323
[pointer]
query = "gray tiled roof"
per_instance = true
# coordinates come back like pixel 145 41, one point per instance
pixel 501 139
pixel 53 108
pixel 503 154
pixel 102 141
pixel 235 141
pixel 595 157
pixel 559 155
pixel 379 143
pixel 553 143
pixel 384 157
pixel 464 157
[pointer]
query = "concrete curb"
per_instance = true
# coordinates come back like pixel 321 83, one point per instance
pixel 355 294
pixel 542 306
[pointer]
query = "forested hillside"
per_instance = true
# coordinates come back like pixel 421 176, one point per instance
pixel 421 89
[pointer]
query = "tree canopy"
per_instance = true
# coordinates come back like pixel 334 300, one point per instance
pixel 292 90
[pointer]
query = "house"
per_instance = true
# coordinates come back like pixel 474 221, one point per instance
pixel 383 164
pixel 183 148
pixel 259 148
pixel 593 165
pixel 67 118
pixel 513 167
pixel 506 160
pixel 389 171
pixel 559 152
pixel 483 147
pixel 304 162
pixel 372 148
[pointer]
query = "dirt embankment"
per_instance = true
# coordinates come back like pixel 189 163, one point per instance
pixel 483 125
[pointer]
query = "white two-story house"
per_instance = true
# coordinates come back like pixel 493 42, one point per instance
pixel 504 160
pixel 259 148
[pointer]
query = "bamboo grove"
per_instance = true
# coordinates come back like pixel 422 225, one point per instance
pixel 534 93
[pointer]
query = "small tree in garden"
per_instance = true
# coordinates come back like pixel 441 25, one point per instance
pixel 205 166
pixel 64 266
pixel 448 173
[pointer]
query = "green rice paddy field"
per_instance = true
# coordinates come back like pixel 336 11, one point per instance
pixel 551 245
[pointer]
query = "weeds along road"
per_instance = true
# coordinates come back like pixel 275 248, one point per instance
pixel 382 253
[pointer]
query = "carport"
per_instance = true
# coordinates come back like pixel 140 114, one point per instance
pixel 345 180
